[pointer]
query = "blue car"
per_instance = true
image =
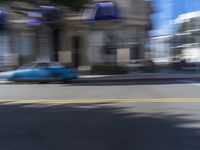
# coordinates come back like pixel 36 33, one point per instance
pixel 41 72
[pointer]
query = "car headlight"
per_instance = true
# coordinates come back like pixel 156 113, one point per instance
pixel 5 75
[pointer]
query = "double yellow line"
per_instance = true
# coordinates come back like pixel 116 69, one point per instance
pixel 96 101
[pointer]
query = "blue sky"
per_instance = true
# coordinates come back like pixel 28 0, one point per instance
pixel 166 11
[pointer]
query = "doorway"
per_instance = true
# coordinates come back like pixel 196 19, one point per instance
pixel 76 42
pixel 135 52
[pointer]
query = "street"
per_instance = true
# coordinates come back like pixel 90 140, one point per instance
pixel 105 116
pixel 102 90
pixel 99 75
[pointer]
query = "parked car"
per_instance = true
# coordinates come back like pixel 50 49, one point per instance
pixel 42 72
pixel 135 65
pixel 183 65
pixel 141 65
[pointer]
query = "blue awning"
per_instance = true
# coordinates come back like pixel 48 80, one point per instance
pixel 34 18
pixel 33 22
pixel 50 13
pixel 102 11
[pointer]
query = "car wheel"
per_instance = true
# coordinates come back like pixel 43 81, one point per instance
pixel 43 82
pixel 65 81
pixel 56 77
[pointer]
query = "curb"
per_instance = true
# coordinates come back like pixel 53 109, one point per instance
pixel 135 79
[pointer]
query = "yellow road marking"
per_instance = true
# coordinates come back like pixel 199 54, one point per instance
pixel 92 101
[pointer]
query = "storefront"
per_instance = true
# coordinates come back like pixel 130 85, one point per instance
pixel 104 25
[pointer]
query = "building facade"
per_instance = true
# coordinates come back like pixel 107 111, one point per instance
pixel 77 39
pixel 107 41
pixel 187 38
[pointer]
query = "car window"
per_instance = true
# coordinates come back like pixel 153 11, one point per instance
pixel 28 66
pixel 41 65
pixel 55 65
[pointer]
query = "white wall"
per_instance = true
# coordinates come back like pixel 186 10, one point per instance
pixel 95 42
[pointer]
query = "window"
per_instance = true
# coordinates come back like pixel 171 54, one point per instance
pixel 41 65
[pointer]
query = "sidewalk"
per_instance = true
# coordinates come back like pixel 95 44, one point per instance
pixel 140 77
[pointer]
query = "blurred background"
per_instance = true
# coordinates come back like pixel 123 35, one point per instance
pixel 121 74
pixel 136 35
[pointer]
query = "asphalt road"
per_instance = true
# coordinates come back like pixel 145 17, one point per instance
pixel 52 124
pixel 111 90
